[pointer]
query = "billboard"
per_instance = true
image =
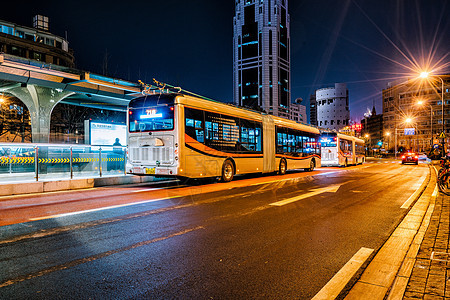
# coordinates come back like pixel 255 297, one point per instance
pixel 104 134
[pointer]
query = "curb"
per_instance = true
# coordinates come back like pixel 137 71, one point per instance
pixel 24 188
pixel 388 273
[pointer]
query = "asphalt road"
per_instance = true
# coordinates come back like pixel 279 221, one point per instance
pixel 272 237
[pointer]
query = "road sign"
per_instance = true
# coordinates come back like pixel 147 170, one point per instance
pixel 409 131
pixel 435 146
pixel 442 135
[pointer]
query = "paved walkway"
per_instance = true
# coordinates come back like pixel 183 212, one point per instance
pixel 430 277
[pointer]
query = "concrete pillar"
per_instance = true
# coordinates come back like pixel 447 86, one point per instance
pixel 40 102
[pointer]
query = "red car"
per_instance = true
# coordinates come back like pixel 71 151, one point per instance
pixel 410 157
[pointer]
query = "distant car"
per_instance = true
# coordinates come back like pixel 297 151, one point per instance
pixel 410 157
pixel 422 156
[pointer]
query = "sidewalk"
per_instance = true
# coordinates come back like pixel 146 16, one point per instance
pixel 415 261
pixel 53 184
pixel 430 278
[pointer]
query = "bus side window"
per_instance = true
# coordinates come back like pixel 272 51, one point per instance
pixel 251 138
pixel 194 124
pixel 209 131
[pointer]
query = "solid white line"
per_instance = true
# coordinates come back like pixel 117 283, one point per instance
pixel 332 289
pixel 327 173
pixel 99 209
pixel 411 198
pixel 147 190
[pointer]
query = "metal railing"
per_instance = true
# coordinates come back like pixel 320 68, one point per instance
pixel 55 161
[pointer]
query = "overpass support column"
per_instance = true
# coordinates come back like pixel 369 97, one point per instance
pixel 40 102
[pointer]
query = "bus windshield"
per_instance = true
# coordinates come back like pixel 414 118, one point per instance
pixel 151 113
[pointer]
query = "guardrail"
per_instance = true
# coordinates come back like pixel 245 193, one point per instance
pixel 55 161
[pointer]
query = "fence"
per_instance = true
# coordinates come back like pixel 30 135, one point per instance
pixel 50 161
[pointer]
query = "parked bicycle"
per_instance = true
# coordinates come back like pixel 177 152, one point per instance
pixel 444 176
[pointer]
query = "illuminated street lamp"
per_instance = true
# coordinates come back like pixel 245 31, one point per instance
pixel 424 75
pixel 388 134
pixel 367 136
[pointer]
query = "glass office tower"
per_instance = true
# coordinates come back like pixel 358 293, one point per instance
pixel 262 56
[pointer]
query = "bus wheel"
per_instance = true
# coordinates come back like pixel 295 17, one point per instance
pixel 283 166
pixel 346 163
pixel 227 171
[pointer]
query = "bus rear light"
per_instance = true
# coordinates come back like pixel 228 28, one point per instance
pixel 170 172
pixel 403 156
pixel 176 157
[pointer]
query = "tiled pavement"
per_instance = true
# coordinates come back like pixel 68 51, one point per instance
pixel 430 277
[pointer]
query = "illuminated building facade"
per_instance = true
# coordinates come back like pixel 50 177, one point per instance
pixel 262 56
pixel 298 112
pixel 332 107
pixel 401 101
pixel 35 43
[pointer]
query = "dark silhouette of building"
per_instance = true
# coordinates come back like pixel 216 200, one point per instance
pixel 372 126
pixel 313 109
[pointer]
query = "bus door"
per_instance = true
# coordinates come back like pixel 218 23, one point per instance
pixel 269 164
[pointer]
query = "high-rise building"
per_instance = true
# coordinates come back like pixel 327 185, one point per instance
pixel 262 56
pixel 332 107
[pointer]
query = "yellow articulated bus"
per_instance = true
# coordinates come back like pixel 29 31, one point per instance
pixel 185 136
pixel 341 150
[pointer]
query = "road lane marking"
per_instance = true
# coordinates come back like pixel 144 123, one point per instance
pixel 329 189
pixel 332 289
pixel 84 260
pixel 11 197
pixel 327 173
pixel 415 195
pixel 147 190
pixel 100 208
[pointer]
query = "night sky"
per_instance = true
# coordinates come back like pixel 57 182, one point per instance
pixel 189 43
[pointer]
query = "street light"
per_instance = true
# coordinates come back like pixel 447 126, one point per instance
pixel 424 75
pixel 388 134
pixel 367 136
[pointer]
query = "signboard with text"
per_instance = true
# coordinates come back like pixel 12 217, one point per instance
pixel 409 131
pixel 104 134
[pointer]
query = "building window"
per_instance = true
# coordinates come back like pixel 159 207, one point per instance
pixel 6 29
